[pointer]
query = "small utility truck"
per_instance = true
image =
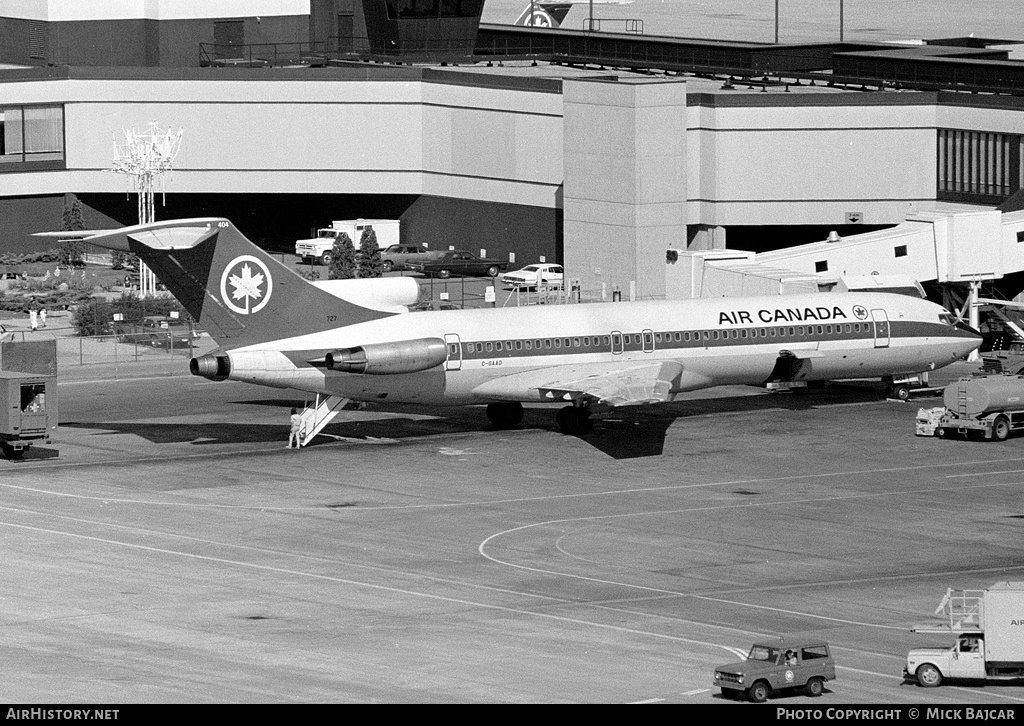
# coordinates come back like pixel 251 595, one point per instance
pixel 989 646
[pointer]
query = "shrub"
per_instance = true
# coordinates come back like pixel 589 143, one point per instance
pixel 343 264
pixel 370 264
pixel 95 315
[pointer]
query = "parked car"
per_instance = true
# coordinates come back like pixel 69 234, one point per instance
pixel 398 257
pixel 460 262
pixel 157 331
pixel 550 274
pixel 433 305
pixel 770 667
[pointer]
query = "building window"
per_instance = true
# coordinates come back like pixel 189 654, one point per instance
pixel 978 166
pixel 418 9
pixel 37 39
pixel 31 133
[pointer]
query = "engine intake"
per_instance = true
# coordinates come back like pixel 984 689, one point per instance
pixel 214 367
pixel 405 356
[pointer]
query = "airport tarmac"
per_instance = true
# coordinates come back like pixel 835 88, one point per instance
pixel 168 548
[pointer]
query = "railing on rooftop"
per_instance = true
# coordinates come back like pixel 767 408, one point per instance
pixel 260 55
pixel 614 25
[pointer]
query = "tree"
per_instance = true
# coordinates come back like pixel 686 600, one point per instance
pixel 72 220
pixel 370 264
pixel 343 259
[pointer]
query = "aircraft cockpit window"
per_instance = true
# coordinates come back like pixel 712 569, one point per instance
pixel 956 322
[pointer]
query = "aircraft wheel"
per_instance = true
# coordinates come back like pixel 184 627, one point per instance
pixel 929 676
pixel 505 415
pixel 1001 429
pixel 574 421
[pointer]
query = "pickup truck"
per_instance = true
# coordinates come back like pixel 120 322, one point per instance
pixel 460 262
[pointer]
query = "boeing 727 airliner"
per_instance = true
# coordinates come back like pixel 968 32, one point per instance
pixel 277 329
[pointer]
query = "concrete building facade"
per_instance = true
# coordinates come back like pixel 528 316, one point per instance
pixel 600 172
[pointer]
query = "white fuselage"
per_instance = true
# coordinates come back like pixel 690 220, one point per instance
pixel 509 353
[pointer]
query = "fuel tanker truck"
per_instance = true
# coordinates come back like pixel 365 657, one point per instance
pixel 989 407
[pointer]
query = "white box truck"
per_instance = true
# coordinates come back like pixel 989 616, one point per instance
pixel 990 641
pixel 318 249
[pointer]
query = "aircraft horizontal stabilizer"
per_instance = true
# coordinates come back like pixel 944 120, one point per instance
pixel 175 234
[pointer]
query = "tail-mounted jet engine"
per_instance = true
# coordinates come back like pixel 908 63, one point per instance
pixel 214 367
pixel 406 356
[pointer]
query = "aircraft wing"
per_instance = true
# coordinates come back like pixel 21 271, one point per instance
pixel 618 385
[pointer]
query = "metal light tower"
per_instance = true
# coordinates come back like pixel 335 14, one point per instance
pixel 144 157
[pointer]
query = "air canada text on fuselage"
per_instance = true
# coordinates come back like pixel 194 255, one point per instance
pixel 785 315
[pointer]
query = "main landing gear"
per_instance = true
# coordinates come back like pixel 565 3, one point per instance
pixel 505 415
pixel 574 420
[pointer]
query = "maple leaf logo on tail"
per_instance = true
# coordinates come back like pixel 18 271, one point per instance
pixel 250 284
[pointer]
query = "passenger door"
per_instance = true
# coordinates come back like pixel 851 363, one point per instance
pixel 881 328
pixel 454 362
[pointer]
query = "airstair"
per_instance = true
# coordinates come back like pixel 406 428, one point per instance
pixel 319 414
pixel 965 609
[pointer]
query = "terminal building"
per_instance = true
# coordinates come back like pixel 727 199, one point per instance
pixel 297 112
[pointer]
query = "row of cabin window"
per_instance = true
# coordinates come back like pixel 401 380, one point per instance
pixel 780 332
pixel 682 337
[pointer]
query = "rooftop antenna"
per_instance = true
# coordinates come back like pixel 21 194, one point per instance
pixel 144 157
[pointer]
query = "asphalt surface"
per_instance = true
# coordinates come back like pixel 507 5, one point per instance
pixel 167 547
